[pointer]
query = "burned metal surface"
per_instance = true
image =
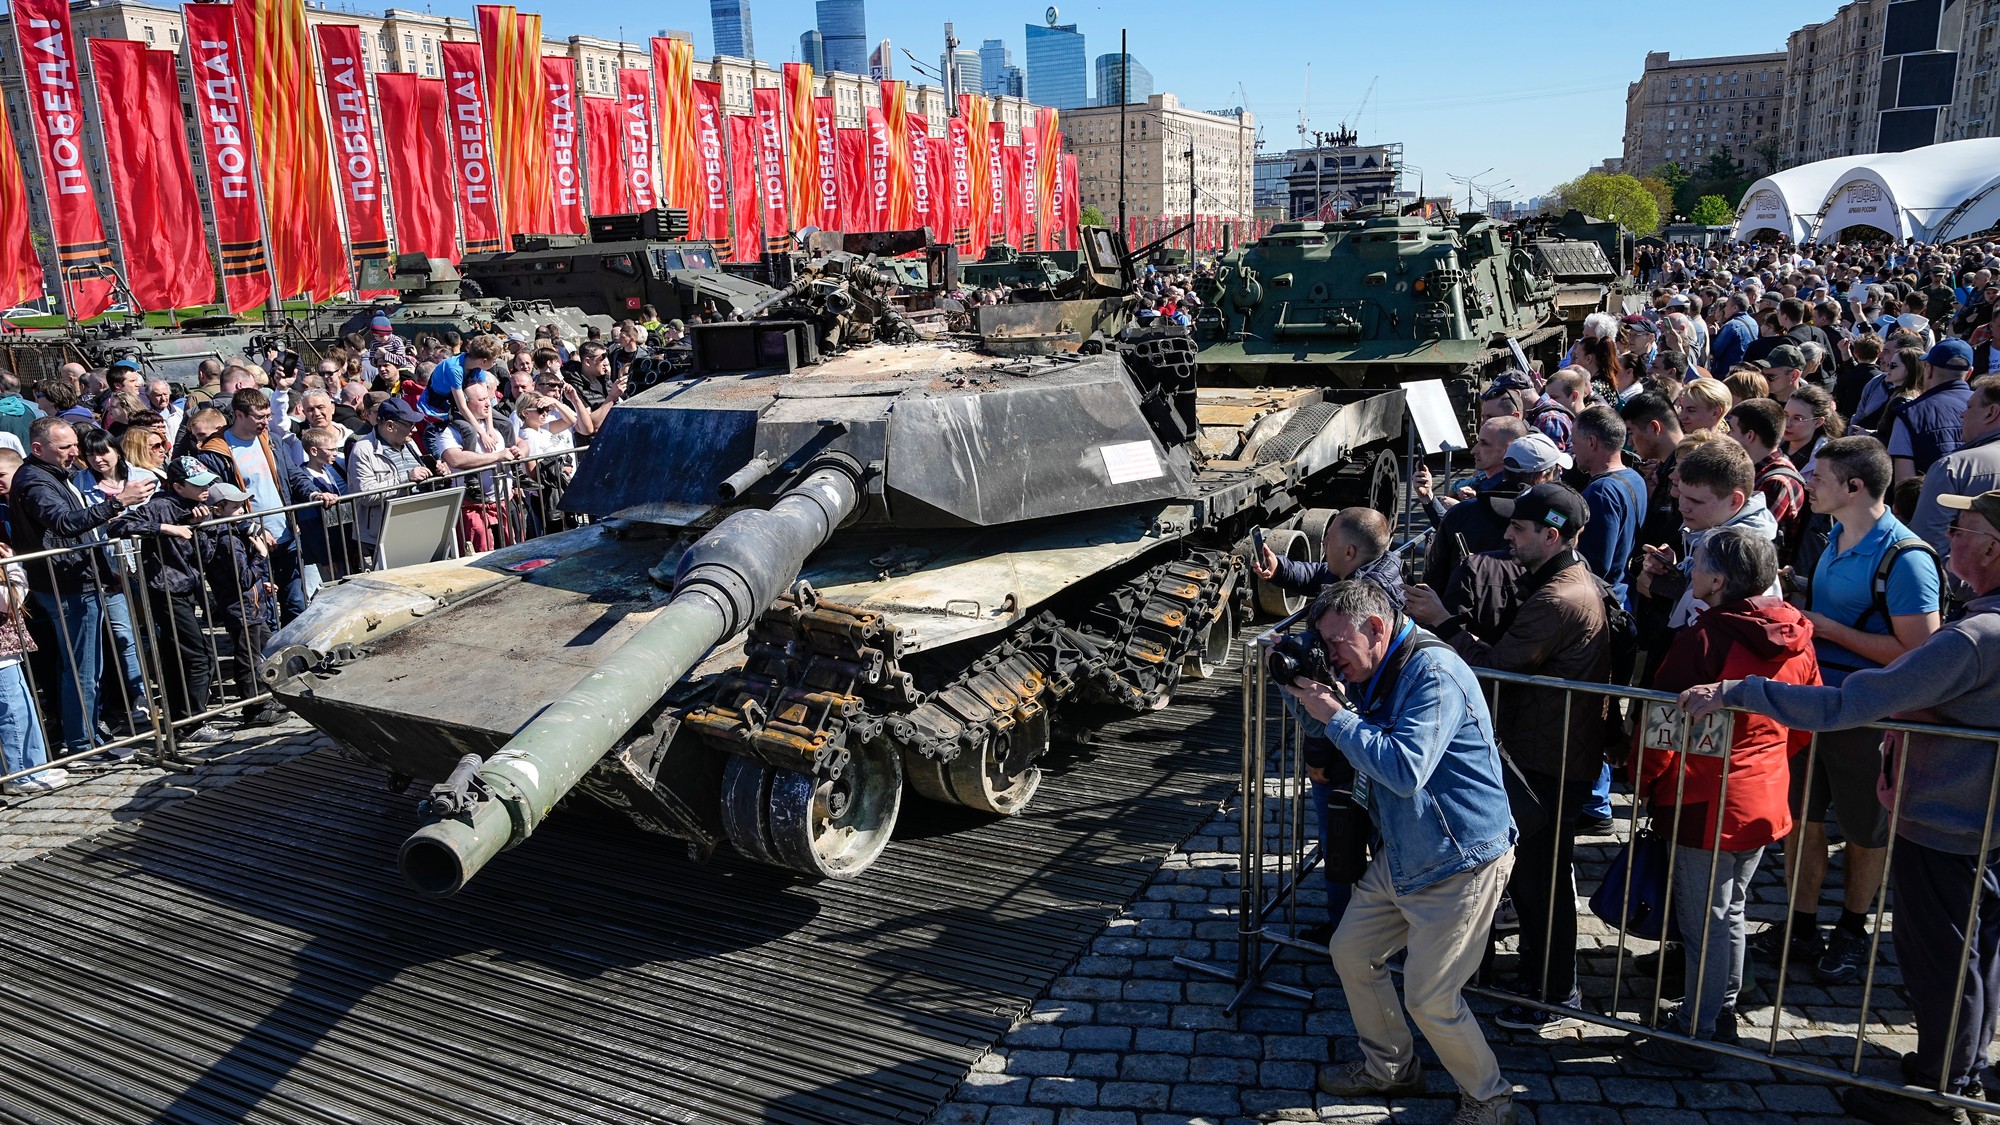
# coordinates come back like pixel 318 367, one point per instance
pixel 254 959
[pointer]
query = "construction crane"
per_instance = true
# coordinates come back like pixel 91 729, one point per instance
pixel 1347 136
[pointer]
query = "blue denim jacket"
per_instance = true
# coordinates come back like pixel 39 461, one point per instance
pixel 1428 752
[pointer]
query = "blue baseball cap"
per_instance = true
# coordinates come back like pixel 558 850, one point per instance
pixel 1952 355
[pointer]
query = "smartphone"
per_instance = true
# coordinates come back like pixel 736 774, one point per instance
pixel 1257 539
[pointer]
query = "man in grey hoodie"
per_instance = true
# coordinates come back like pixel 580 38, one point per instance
pixel 1942 787
pixel 1717 488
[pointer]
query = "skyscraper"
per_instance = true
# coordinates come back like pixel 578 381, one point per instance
pixel 1012 84
pixel 1058 74
pixel 1113 88
pixel 995 60
pixel 843 26
pixel 731 19
pixel 969 71
pixel 812 51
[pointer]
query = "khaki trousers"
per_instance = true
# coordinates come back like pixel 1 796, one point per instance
pixel 1445 928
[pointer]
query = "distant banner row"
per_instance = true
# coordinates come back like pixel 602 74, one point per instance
pixel 501 145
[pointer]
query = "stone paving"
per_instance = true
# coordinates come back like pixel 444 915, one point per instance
pixel 1128 1037
pixel 99 799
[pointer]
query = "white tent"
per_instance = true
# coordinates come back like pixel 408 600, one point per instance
pixel 1787 201
pixel 1908 193
pixel 1980 211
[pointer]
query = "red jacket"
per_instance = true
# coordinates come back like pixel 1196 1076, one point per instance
pixel 1760 636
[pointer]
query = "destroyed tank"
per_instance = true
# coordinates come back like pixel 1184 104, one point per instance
pixel 1383 298
pixel 625 263
pixel 432 297
pixel 1006 265
pixel 815 583
pixel 170 353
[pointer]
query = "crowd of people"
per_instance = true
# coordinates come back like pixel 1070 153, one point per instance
pixel 246 490
pixel 1776 488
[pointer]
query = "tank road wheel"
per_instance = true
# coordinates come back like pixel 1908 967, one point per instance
pixel 1274 602
pixel 1385 486
pixel 829 829
pixel 1211 646
pixel 1002 777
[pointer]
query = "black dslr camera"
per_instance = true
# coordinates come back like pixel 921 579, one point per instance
pixel 1295 658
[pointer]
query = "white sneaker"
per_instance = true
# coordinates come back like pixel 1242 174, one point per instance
pixel 206 732
pixel 44 782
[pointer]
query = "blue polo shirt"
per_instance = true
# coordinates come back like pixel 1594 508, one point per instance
pixel 1927 426
pixel 1843 588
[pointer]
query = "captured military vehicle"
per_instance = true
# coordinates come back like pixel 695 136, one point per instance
pixel 1382 298
pixel 432 298
pixel 626 263
pixel 1004 265
pixel 170 353
pixel 810 585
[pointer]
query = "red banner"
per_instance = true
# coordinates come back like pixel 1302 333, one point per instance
pixel 895 113
pixel 160 234
pixel 358 169
pixel 826 165
pixel 1014 172
pixel 222 117
pixel 1048 150
pixel 958 158
pixel 877 211
pixel 1071 194
pixel 412 111
pixel 1031 189
pixel 565 175
pixel 801 159
pixel 42 31
pixel 921 193
pixel 20 267
pixel 642 177
pixel 769 104
pixel 604 152
pixel 709 217
pixel 853 145
pixel 303 219
pixel 996 183
pixel 748 242
pixel 516 123
pixel 974 109
pixel 472 155
pixel 680 179
pixel 943 216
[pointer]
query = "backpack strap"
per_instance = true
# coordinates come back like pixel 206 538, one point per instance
pixel 1878 604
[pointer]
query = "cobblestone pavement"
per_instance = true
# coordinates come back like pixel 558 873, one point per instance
pixel 99 799
pixel 1127 1037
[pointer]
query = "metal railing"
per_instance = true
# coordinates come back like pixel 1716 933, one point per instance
pixel 172 662
pixel 1278 849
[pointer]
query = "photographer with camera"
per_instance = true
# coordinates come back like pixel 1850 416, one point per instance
pixel 1427 769
pixel 1558 629
pixel 1356 546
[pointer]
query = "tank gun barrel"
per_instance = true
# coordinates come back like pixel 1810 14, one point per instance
pixel 724 580
pixel 745 478
pixel 799 285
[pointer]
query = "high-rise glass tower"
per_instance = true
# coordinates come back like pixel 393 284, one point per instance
pixel 995 60
pixel 843 26
pixel 1114 88
pixel 731 19
pixel 969 71
pixel 1058 74
pixel 812 51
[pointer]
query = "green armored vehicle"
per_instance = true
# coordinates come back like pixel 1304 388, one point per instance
pixel 626 263
pixel 433 298
pixel 818 582
pixel 1380 299
pixel 172 354
pixel 1008 266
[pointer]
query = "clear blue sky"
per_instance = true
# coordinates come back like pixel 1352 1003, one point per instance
pixel 1535 90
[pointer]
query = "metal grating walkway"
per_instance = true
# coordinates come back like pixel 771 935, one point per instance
pixel 253 956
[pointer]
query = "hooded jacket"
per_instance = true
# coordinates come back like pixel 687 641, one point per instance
pixel 1754 516
pixel 1761 636
pixel 172 564
pixel 16 415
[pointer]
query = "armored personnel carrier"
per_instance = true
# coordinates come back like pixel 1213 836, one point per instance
pixel 626 263
pixel 432 297
pixel 1381 299
pixel 812 586
pixel 171 353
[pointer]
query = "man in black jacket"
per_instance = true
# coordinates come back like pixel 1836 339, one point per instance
pixel 172 564
pixel 48 514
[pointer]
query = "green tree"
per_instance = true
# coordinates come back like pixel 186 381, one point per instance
pixel 1662 194
pixel 1713 211
pixel 1090 216
pixel 1619 197
pixel 1771 153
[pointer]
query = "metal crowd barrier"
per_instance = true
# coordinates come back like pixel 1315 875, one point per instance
pixel 169 663
pixel 1279 847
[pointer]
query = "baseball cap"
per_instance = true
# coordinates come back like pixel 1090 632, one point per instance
pixel 397 410
pixel 1677 301
pixel 127 362
pixel 1638 323
pixel 1986 505
pixel 227 493
pixel 1786 355
pixel 1551 505
pixel 1952 355
pixel 678 325
pixel 187 470
pixel 1535 453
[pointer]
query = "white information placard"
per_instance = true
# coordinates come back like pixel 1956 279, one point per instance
pixel 1130 460
pixel 1433 416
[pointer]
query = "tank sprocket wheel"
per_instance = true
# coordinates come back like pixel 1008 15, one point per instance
pixel 827 829
pixel 1000 778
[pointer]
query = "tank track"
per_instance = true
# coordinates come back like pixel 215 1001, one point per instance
pixel 820 677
